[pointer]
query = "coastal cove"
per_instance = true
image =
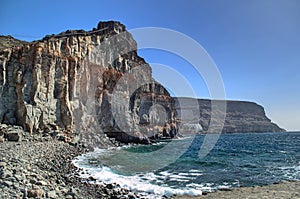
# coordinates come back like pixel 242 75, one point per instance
pixel 237 160
pixel 42 167
pixel 81 116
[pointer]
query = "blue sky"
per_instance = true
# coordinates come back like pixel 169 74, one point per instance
pixel 255 44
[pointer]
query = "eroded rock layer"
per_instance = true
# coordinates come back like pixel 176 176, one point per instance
pixel 240 117
pixel 79 81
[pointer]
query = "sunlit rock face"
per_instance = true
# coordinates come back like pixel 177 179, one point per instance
pixel 83 82
pixel 241 116
pixel 93 84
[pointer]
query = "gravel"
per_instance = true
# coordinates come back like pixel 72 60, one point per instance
pixel 40 167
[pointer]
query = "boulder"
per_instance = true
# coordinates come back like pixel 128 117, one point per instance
pixel 13 136
pixel 51 194
pixel 35 193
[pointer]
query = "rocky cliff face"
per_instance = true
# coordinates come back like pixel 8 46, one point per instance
pixel 241 117
pixel 82 82
pixel 93 84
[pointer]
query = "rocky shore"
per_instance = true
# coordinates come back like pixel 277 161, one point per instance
pixel 40 167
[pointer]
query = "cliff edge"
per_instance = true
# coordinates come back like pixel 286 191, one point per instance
pixel 241 116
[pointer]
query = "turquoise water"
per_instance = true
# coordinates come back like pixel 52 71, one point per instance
pixel 175 166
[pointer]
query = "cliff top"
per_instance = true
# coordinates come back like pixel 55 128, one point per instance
pixel 9 41
pixel 112 27
pixel 107 27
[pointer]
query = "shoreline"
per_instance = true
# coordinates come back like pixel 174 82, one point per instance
pixel 282 189
pixel 41 167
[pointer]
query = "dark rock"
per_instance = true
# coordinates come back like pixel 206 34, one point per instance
pixel 225 189
pixel 109 186
pixel 7 183
pixel 91 178
pixel 35 193
pixel 13 136
pixel 42 183
pixel 18 177
pixel 70 195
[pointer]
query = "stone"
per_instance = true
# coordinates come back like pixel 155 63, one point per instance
pixel 35 193
pixel 13 136
pixel 34 186
pixel 18 177
pixel 71 194
pixel 3 164
pixel 69 197
pixel 7 183
pixel 225 189
pixel 11 179
pixel 33 181
pixel 51 194
pixel 64 190
pixel 109 186
pixel 42 183
pixel 29 168
pixel 7 173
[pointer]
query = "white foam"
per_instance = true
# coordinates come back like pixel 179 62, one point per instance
pixel 180 177
pixel 223 187
pixel 159 143
pixel 291 172
pixel 195 174
pixel 203 187
pixel 136 182
pixel 185 137
pixel 194 171
pixel 164 173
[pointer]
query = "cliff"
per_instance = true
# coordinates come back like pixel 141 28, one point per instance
pixel 241 116
pixel 81 83
pixel 91 85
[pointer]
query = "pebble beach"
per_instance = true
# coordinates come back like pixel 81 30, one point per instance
pixel 41 167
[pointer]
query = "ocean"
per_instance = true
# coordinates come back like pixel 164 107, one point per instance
pixel 175 167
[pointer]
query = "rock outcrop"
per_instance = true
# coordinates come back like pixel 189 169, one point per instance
pixel 83 82
pixel 241 116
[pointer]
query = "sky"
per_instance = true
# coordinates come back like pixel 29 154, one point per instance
pixel 254 44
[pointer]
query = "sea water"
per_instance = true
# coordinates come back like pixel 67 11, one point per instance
pixel 175 167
